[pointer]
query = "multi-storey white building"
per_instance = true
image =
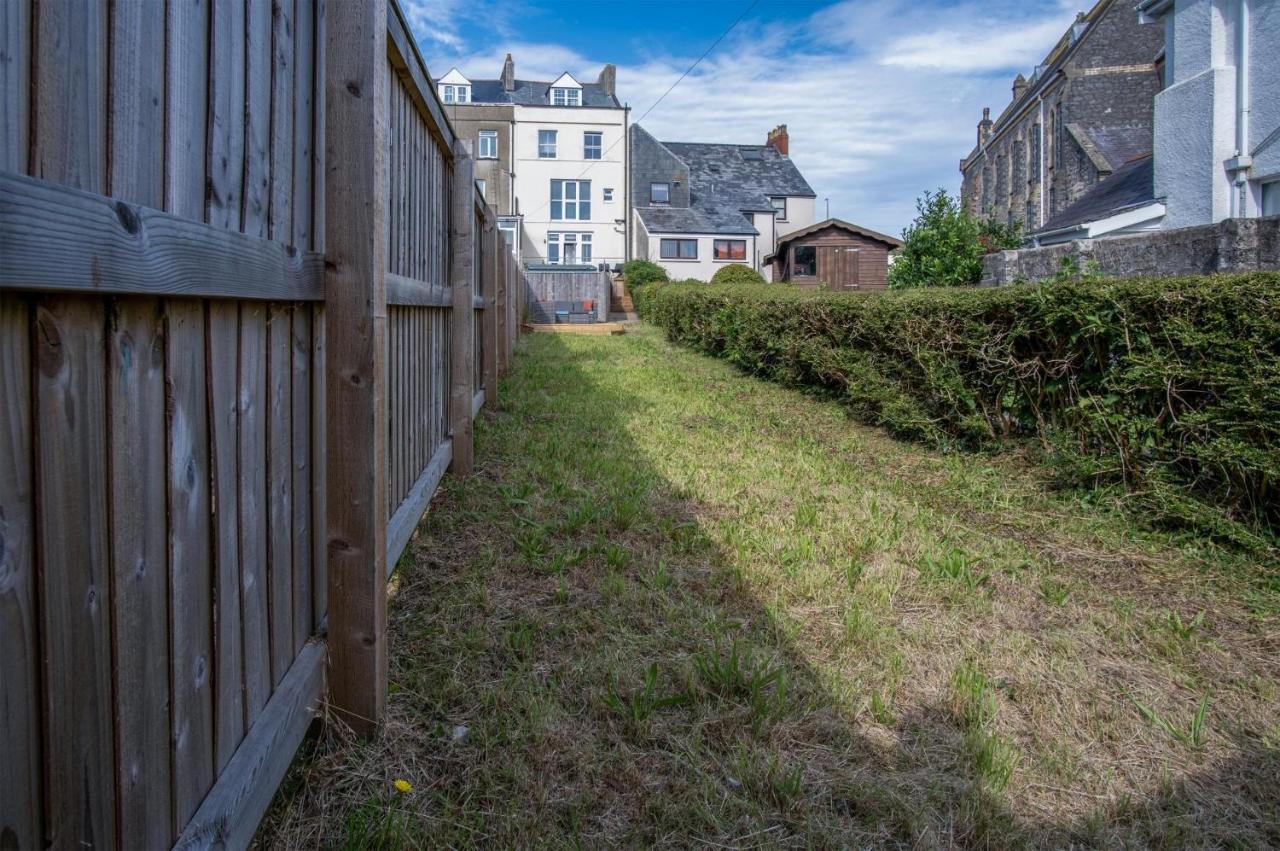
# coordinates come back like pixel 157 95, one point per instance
pixel 552 157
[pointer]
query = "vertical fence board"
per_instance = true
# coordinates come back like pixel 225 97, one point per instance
pixel 356 381
pixel 71 506
pixel 226 109
pixel 139 563
pixel 303 121
pixel 69 138
pixel 257 156
pixel 186 99
pixel 20 784
pixel 255 595
pixel 282 33
pixel 280 487
pixel 319 468
pixel 190 568
pixel 137 104
pixel 222 365
pixel 462 356
pixel 317 137
pixel 300 417
pixel 15 84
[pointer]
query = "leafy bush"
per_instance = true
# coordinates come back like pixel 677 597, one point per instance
pixel 1169 386
pixel 944 245
pixel 736 273
pixel 637 273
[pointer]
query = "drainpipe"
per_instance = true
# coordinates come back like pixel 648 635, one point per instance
pixel 1043 189
pixel 1242 162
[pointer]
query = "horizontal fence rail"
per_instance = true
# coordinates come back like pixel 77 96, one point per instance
pixel 250 305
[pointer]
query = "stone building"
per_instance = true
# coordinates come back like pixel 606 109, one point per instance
pixel 1086 111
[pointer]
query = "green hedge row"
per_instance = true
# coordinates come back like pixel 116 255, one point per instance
pixel 1171 386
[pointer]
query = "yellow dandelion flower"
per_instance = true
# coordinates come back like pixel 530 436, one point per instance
pixel 403 786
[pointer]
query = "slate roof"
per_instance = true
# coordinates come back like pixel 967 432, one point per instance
pixel 1132 185
pixel 690 220
pixel 534 93
pixel 1121 145
pixel 726 183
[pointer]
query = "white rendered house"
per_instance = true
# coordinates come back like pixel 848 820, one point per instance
pixel 1217 122
pixel 562 149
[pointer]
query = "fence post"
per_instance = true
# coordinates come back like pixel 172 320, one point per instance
pixel 504 286
pixel 462 362
pixel 355 203
pixel 490 258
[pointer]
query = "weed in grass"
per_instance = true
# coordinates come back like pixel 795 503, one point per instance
pixel 616 557
pixel 532 543
pixel 738 675
pixel 661 578
pixel 806 515
pixel 520 641
pixel 854 570
pixel 1192 735
pixel 562 592
pixel 974 700
pixel 636 708
pixel 382 823
pixel 882 708
pixel 1183 631
pixel 1053 592
pixel 614 586
pixel 950 566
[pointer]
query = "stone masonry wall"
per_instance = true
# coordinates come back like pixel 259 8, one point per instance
pixel 1235 245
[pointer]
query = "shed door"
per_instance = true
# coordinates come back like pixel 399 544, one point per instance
pixel 838 267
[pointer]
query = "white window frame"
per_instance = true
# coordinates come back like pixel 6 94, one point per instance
pixel 574 201
pixel 446 93
pixel 487 151
pixel 655 203
pixel 588 148
pixel 715 243
pixel 547 150
pixel 462 94
pixel 607 194
pixel 566 97
pixel 680 243
pixel 780 213
pixel 559 241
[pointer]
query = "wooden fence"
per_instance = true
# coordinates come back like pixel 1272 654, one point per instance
pixel 250 303
pixel 546 287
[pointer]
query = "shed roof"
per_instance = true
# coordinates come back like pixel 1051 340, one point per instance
pixel 890 242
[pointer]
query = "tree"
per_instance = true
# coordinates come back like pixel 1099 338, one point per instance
pixel 944 245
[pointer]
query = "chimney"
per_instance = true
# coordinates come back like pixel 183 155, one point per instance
pixel 508 75
pixel 608 79
pixel 1019 88
pixel 1078 28
pixel 984 126
pixel 779 140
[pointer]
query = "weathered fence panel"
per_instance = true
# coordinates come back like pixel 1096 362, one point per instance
pixel 215 443
pixel 545 288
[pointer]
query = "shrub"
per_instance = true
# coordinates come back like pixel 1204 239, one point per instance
pixel 736 273
pixel 1169 386
pixel 944 245
pixel 637 273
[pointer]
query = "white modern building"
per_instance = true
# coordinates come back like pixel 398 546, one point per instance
pixel 552 157
pixel 1217 121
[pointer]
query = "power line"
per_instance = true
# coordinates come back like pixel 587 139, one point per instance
pixel 669 90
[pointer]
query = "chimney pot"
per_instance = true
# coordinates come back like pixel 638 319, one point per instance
pixel 779 140
pixel 984 126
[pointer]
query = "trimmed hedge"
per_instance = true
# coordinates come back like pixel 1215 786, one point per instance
pixel 737 273
pixel 1170 386
pixel 637 273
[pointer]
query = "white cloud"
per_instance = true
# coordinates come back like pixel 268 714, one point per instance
pixel 881 101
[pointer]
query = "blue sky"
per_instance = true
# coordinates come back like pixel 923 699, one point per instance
pixel 881 97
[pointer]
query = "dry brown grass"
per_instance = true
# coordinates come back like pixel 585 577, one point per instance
pixel 932 650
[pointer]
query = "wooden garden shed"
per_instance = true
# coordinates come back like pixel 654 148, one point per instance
pixel 835 253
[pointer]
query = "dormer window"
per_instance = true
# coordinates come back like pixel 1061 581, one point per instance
pixel 455 94
pixel 566 97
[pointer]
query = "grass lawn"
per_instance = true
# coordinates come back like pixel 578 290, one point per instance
pixel 679 606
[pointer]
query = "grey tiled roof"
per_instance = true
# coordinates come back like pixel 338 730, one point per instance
pixel 691 220
pixel 534 93
pixel 726 184
pixel 1133 185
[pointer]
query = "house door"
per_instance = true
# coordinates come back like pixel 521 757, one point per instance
pixel 838 267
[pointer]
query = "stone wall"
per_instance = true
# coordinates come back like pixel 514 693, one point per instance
pixel 1235 245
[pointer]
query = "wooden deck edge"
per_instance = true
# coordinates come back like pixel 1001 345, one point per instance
pixel 229 815
pixel 612 329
